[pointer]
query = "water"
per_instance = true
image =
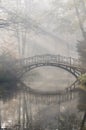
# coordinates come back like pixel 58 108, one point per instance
pixel 49 78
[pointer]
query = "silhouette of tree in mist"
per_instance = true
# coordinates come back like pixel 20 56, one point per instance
pixel 81 48
pixel 8 82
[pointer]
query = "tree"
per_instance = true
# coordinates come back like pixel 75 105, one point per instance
pixel 81 47
pixel 8 84
pixel 82 98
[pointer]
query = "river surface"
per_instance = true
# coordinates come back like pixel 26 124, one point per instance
pixel 49 79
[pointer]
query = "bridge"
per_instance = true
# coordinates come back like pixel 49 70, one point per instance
pixel 31 96
pixel 21 66
pixel 72 65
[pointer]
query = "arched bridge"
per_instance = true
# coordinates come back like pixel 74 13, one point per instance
pixel 31 96
pixel 72 65
pixel 69 64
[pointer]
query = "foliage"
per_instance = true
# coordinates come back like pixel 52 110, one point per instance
pixel 84 128
pixel 82 93
pixel 8 84
pixel 82 79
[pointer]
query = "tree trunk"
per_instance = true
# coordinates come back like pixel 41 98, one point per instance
pixel 83 122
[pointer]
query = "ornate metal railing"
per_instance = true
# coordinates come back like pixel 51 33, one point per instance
pixel 72 65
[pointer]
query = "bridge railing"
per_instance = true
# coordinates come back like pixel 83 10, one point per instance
pixel 51 59
pixel 70 61
pixel 47 59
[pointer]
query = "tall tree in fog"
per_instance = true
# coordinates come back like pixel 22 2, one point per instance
pixel 82 52
pixel 81 46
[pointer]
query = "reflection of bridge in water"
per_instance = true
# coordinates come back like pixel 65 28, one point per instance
pixel 30 96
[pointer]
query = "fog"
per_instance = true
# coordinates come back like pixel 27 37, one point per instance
pixel 36 27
